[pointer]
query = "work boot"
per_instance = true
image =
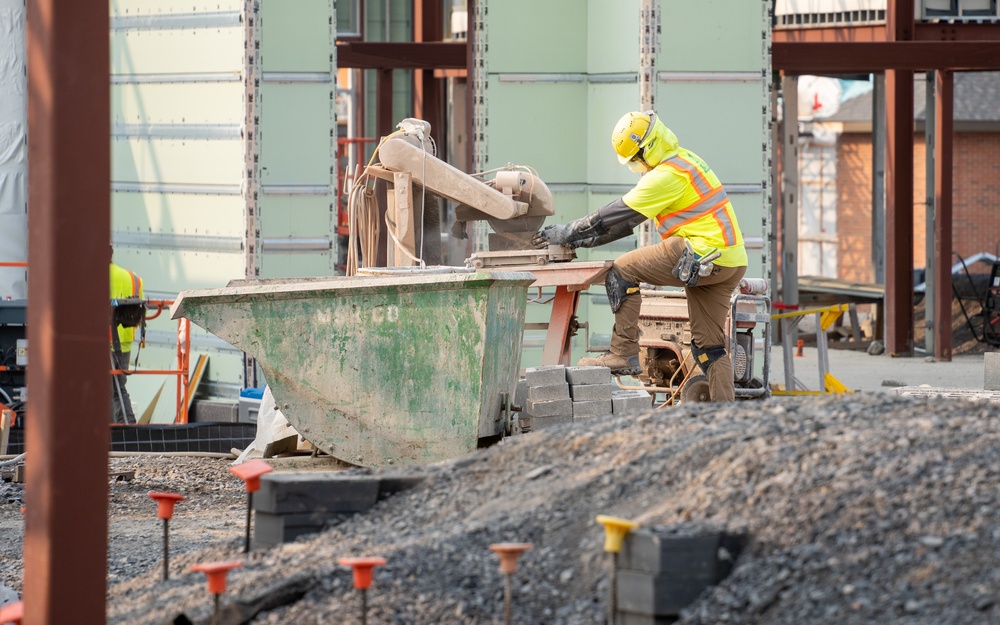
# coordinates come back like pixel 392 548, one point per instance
pixel 619 365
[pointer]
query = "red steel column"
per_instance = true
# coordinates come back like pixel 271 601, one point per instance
pixel 65 542
pixel 428 25
pixel 943 162
pixel 899 189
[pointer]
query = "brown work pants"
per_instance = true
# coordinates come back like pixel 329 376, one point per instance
pixel 708 305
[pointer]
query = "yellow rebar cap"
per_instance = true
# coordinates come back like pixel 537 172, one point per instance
pixel 615 530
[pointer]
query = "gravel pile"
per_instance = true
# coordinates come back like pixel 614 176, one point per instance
pixel 861 509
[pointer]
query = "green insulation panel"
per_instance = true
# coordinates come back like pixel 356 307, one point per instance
pixel 392 369
pixel 297 139
pixel 190 109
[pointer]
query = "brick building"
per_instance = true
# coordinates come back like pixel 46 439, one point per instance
pixel 976 181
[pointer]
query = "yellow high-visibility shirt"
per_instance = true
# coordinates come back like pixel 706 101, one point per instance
pixel 685 198
pixel 124 284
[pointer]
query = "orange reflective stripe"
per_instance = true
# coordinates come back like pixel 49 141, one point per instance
pixel 698 180
pixel 135 284
pixel 715 198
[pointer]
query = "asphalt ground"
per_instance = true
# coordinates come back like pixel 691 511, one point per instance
pixel 860 371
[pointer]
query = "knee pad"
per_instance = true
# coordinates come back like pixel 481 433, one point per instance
pixel 706 356
pixel 618 289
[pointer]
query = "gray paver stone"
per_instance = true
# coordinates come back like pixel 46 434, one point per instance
pixel 554 408
pixel 591 392
pixel 629 402
pixel 548 392
pixel 991 368
pixel 599 408
pixel 540 423
pixel 588 375
pixel 548 374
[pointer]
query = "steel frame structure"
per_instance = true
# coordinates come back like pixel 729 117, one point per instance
pixel 898 49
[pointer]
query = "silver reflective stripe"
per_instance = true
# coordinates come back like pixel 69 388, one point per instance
pixel 697 179
pixel 693 212
pixel 722 215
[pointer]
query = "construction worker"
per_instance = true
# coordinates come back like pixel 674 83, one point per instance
pixel 701 248
pixel 126 288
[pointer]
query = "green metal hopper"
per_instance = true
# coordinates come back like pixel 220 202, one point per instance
pixel 393 369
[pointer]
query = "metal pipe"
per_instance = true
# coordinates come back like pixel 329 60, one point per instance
pixel 166 549
pixel 246 542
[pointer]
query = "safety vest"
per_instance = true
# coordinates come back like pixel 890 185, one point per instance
pixel 710 218
pixel 124 284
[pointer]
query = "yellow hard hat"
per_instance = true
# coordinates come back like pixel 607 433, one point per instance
pixel 632 133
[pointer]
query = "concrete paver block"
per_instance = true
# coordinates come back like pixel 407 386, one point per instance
pixel 657 595
pixel 705 555
pixel 633 618
pixel 553 408
pixel 315 492
pixel 548 392
pixel 272 529
pixel 540 423
pixel 521 394
pixel 991 368
pixel 545 375
pixel 588 375
pixel 598 408
pixel 629 402
pixel 591 392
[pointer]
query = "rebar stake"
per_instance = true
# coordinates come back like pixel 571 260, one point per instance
pixel 509 553
pixel 216 572
pixel 615 530
pixel 165 510
pixel 250 473
pixel 362 578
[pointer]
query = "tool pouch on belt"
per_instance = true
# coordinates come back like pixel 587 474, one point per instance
pixel 690 266
pixel 128 312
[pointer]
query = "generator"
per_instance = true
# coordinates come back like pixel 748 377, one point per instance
pixel 665 343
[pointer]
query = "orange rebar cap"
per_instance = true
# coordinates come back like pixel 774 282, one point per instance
pixel 509 553
pixel 250 472
pixel 216 574
pixel 362 569
pixel 12 613
pixel 165 503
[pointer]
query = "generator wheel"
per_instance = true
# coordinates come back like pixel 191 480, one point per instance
pixel 695 389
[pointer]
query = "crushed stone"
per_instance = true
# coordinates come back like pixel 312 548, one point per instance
pixel 860 508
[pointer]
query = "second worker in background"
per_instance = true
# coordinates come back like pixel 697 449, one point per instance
pixel 701 247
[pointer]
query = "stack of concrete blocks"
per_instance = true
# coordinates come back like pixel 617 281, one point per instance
pixel 291 504
pixel 590 388
pixel 660 573
pixel 555 394
pixel 548 401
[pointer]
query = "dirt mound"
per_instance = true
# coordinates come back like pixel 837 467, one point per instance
pixel 861 509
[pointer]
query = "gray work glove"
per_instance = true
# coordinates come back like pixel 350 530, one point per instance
pixel 554 234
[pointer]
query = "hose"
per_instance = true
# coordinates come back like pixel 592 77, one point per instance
pixel 12 461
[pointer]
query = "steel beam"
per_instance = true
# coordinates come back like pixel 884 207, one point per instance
pixel 931 31
pixel 428 100
pixel 401 55
pixel 878 183
pixel 867 57
pixel 69 161
pixel 943 126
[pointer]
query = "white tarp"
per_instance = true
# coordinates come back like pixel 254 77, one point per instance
pixel 13 150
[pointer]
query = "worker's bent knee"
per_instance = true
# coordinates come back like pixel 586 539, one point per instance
pixel 706 356
pixel 618 289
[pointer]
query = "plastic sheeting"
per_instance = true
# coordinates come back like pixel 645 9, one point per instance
pixel 13 150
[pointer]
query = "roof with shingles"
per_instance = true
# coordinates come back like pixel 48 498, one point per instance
pixel 977 99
